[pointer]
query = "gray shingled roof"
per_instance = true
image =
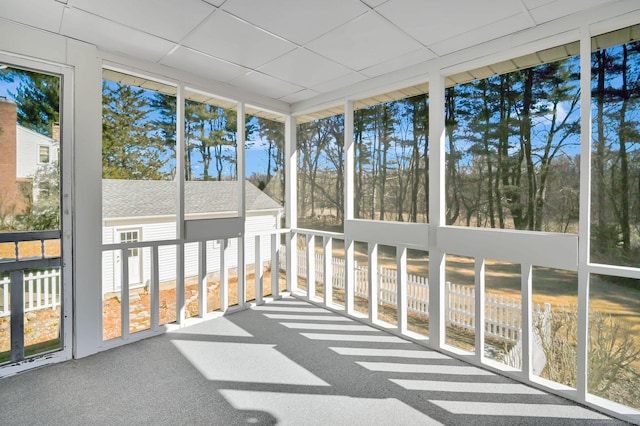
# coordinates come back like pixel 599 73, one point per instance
pixel 144 198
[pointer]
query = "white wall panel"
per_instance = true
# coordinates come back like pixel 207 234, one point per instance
pixel 411 235
pixel 534 248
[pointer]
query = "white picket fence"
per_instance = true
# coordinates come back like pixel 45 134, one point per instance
pixel 503 316
pixel 41 291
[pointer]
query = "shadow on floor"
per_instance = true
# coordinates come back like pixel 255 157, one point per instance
pixel 287 363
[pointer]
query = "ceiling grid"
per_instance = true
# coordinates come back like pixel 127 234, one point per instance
pixel 294 51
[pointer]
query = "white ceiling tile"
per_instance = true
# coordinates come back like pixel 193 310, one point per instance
pixel 265 85
pixel 297 20
pixel 168 19
pixel 216 3
pixel 304 68
pixel 48 17
pixel 110 36
pixel 374 3
pixel 302 95
pixel 550 11
pixel 430 22
pixel 479 35
pixel 203 65
pixel 532 4
pixel 340 82
pixel 411 58
pixel 367 40
pixel 226 37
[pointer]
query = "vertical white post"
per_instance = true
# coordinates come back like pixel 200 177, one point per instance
pixel 290 203
pixel 479 308
pixel 311 266
pixel 258 272
pixel 275 266
pixel 527 321
pixel 437 207
pixel 349 275
pixel 373 282
pixel 242 275
pixel 349 173
pixel 155 288
pixel 224 278
pixel 81 200
pixel 585 217
pixel 327 249
pixel 180 173
pixel 124 293
pixel 401 287
pixel 202 278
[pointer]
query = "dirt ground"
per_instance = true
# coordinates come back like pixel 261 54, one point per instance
pixel 140 303
pixel 42 328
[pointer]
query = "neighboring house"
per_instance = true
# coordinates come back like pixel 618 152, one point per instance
pixel 22 152
pixel 145 210
pixel 33 151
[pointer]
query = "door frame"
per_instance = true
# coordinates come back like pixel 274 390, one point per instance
pixel 66 159
pixel 116 269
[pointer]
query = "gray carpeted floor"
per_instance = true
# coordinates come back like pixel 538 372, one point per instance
pixel 285 363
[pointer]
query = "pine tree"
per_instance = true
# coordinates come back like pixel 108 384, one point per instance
pixel 37 97
pixel 130 147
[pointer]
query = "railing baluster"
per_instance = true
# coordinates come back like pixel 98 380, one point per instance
pixel 30 286
pixel 224 279
pixel 202 278
pixel 155 289
pixel 327 247
pixel 124 293
pixel 16 280
pixel 275 266
pixel 401 283
pixel 40 281
pixel 311 266
pixel 258 273
pixel 373 281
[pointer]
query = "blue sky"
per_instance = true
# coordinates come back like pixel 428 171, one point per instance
pixel 255 154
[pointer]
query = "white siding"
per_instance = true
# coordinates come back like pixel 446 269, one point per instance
pixel 27 153
pixel 167 254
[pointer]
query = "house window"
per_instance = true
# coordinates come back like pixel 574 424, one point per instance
pixel 43 154
pixel 130 237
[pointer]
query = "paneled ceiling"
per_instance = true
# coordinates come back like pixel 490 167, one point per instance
pixel 289 50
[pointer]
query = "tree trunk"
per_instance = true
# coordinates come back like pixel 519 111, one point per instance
pixel 624 161
pixel 525 141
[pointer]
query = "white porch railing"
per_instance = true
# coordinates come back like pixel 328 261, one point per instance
pixel 41 288
pixel 503 315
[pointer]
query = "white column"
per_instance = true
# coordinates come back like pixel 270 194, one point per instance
pixel 180 172
pixel 437 207
pixel 349 171
pixel 291 200
pixel 585 218
pixel 81 132
pixel 242 276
